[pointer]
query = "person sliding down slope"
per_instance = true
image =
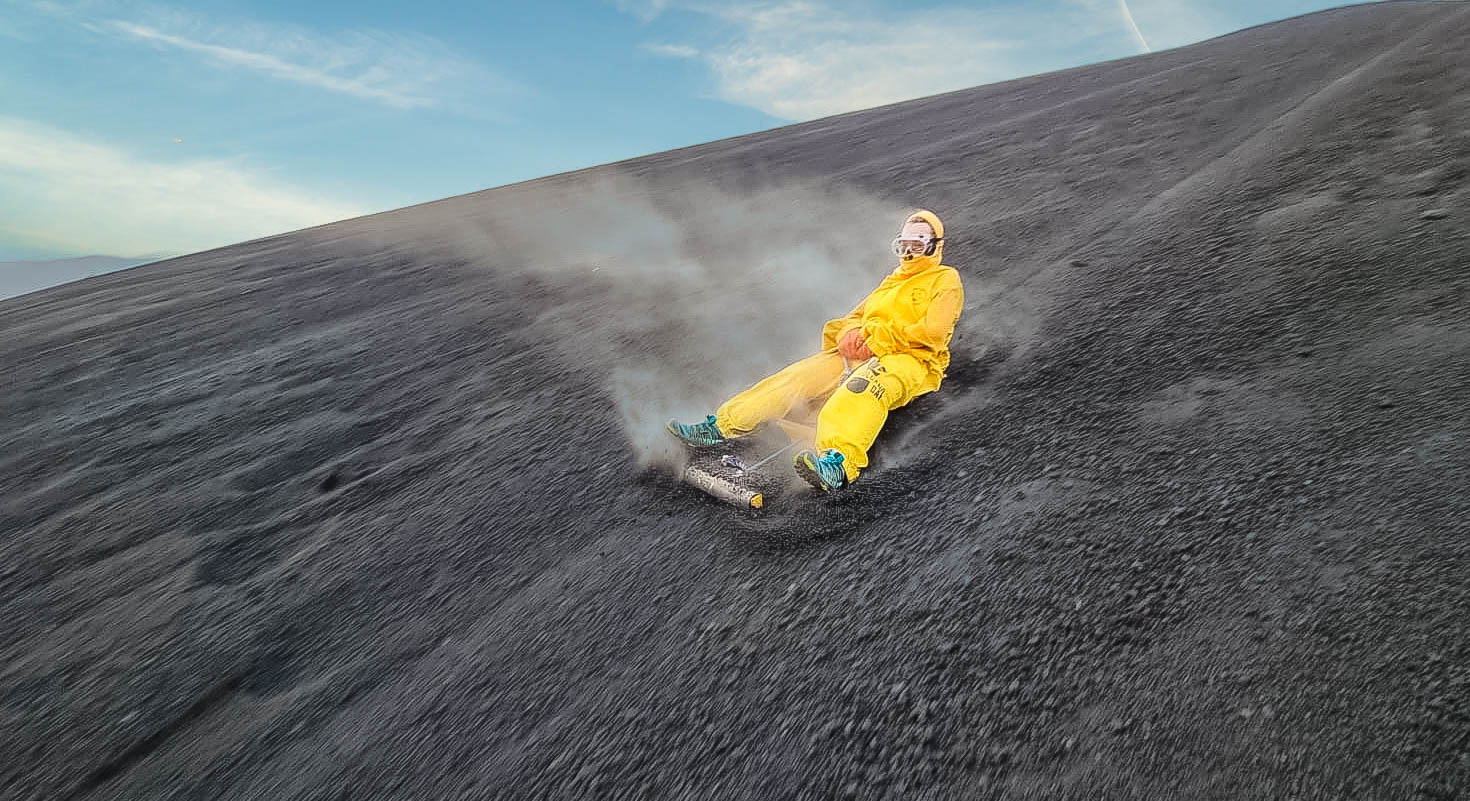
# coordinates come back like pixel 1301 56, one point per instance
pixel 898 338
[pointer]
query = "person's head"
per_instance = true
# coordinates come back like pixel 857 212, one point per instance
pixel 920 237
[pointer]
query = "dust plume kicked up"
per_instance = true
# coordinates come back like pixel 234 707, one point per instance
pixel 679 299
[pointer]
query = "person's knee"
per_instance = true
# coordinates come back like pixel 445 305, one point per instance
pixel 890 380
pixel 869 380
pixel 906 367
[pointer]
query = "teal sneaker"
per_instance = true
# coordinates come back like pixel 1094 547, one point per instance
pixel 698 435
pixel 823 471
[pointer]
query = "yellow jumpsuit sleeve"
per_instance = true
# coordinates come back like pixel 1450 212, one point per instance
pixel 835 328
pixel 937 325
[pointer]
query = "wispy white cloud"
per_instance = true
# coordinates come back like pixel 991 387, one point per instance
pixel 800 59
pixel 66 193
pixel 671 50
pixel 1133 26
pixel 646 10
pixel 398 70
pixel 372 82
pixel 1175 23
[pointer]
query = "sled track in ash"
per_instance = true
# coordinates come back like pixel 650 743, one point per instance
pixel 358 511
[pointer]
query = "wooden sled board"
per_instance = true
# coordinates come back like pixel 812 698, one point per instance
pixel 753 471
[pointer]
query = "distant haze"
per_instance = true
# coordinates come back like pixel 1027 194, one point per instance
pixel 21 277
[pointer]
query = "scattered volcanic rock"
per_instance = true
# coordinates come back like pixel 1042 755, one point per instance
pixel 377 509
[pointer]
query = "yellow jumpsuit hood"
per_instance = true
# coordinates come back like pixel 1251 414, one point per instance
pixel 918 263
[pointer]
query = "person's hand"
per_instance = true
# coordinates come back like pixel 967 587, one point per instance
pixel 853 347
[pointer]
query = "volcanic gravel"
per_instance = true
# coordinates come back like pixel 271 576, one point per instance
pixel 348 513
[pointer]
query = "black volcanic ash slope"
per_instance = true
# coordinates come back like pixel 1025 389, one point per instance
pixel 350 512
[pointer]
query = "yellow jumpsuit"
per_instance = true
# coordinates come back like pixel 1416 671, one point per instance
pixel 906 322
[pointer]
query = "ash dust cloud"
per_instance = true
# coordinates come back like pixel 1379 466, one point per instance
pixel 670 299
pixel 675 300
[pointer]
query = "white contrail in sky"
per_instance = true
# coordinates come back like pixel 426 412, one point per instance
pixel 1137 34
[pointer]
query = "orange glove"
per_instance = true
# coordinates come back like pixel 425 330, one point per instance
pixel 853 347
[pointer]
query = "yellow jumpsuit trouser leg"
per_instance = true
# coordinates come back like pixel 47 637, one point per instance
pixel 853 416
pixel 850 419
pixel 773 397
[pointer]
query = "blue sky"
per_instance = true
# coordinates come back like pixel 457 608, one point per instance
pixel 140 129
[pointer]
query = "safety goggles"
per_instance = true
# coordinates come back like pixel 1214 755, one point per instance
pixel 909 244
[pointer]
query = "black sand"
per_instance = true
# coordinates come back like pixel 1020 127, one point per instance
pixel 349 512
